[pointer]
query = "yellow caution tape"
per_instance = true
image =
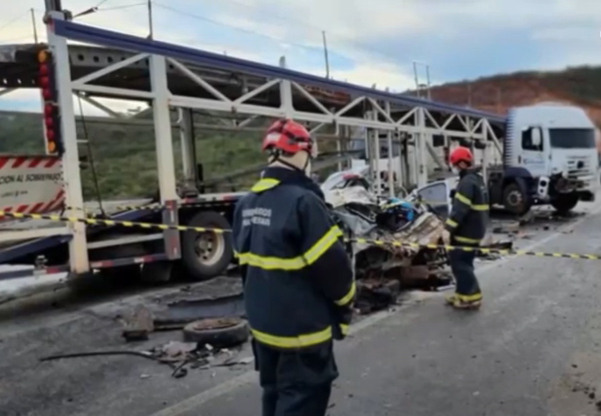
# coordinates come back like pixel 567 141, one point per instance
pixel 480 249
pixel 110 223
pixel 148 225
pixel 149 207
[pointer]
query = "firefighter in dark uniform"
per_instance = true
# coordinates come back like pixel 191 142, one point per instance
pixel 298 280
pixel 466 226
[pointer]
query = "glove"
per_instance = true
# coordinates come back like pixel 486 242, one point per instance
pixel 343 315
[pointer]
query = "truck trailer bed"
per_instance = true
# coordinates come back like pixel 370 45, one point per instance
pixel 46 235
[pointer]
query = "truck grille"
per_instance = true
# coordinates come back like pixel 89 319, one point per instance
pixel 580 168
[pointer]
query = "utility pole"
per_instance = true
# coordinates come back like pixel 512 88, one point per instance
pixel 428 81
pixel 416 78
pixel 469 94
pixel 53 5
pixel 499 100
pixel 150 26
pixel 33 23
pixel 325 53
pixel 419 87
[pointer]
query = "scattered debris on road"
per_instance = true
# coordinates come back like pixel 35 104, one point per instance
pixel 139 324
pixel 180 356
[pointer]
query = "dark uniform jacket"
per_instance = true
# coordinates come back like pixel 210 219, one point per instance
pixel 469 216
pixel 298 280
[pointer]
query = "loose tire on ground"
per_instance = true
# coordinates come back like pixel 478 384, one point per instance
pixel 565 203
pixel 206 255
pixel 515 199
pixel 218 332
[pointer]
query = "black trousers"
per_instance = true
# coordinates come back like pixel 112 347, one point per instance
pixel 295 383
pixel 462 266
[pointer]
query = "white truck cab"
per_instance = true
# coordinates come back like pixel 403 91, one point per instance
pixel 549 157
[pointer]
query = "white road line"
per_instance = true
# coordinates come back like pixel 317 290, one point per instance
pixel 251 376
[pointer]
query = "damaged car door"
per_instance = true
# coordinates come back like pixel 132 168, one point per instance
pixel 437 195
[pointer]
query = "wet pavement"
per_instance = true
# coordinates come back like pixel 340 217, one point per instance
pixel 532 350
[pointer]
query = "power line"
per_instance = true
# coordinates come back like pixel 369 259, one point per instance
pixel 331 34
pixel 125 6
pixel 14 20
pixel 11 40
pixel 218 23
pixel 365 49
pixel 100 3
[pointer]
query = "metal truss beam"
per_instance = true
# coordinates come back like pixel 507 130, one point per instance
pixel 103 37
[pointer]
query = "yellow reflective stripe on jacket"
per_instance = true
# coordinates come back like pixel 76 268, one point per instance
pixel 344 329
pixel 299 341
pixel 271 263
pixel 465 200
pixel 348 297
pixel 264 184
pixel 294 263
pixel 466 240
pixel 322 245
pixel 451 223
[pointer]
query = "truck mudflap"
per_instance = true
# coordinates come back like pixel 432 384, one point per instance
pixel 31 184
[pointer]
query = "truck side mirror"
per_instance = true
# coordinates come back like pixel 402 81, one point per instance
pixel 536 137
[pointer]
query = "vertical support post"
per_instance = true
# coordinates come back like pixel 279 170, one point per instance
pixel 164 150
pixel 372 147
pixel 78 247
pixel 470 128
pixel 339 147
pixel 485 155
pixel 398 137
pixel 375 140
pixel 420 147
pixel 389 143
pixel 188 146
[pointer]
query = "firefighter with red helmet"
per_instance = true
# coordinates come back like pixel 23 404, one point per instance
pixel 298 279
pixel 466 226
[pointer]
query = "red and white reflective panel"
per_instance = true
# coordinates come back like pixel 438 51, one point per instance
pixel 31 184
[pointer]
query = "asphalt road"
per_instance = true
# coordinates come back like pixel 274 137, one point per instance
pixel 534 349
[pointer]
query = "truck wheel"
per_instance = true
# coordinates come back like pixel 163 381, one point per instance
pixel 207 255
pixel 515 199
pixel 565 203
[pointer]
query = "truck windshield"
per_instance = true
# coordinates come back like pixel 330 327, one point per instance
pixel 358 145
pixel 572 138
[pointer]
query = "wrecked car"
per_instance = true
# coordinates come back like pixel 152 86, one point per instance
pixel 386 245
pixel 364 220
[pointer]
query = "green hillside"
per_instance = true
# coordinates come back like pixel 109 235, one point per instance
pixel 125 157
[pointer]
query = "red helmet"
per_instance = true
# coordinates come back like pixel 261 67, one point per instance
pixel 288 136
pixel 461 154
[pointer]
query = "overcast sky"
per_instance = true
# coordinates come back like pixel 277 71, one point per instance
pixel 370 41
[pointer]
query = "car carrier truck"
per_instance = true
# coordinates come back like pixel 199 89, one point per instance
pixel 158 237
